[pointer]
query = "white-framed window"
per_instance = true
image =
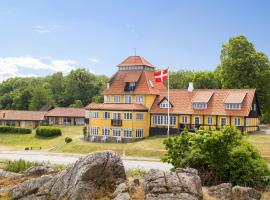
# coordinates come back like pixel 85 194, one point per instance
pixel 94 114
pixel 132 86
pixel 165 104
pixel 128 132
pixel 106 115
pixel 139 99
pixel 88 114
pixel 163 120
pixel 127 98
pixel 197 120
pixel 254 107
pixel 139 133
pixel 233 106
pixel 139 116
pixel 116 132
pixel 105 98
pixel 199 105
pixel 116 115
pixel 223 121
pixel 117 99
pixel 128 115
pixel 184 119
pixel 106 131
pixel 237 121
pixel 94 130
pixel 210 120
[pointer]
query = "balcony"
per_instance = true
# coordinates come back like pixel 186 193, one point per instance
pixel 116 122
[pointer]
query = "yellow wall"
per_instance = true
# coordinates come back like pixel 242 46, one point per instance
pixel 252 122
pixel 133 124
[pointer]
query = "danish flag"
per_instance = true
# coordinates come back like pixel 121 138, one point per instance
pixel 161 76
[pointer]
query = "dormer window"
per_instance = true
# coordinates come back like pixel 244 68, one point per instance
pixel 232 106
pixel 199 105
pixel 165 104
pixel 130 86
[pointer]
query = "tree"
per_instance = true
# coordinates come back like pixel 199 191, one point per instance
pixel 180 79
pixel 206 80
pixel 40 97
pixel 76 104
pixel 243 67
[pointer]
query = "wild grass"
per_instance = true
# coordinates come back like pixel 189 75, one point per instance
pixel 19 165
pixel 136 172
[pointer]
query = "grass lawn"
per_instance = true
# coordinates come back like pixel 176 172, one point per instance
pixel 20 141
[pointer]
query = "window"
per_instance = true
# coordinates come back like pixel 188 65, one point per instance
pixel 210 120
pixel 199 105
pixel 163 120
pixel 105 98
pixel 132 86
pixel 237 121
pixel 116 115
pixel 94 131
pixel 165 104
pixel 128 115
pixel 128 132
pixel 233 106
pixel 116 132
pixel 139 99
pixel 255 107
pixel 139 116
pixel 139 133
pixel 184 119
pixel 127 99
pixel 223 121
pixel 106 131
pixel 94 114
pixel 106 115
pixel 117 99
pixel 87 114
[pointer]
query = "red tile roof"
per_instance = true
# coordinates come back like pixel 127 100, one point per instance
pixel 235 97
pixel 202 96
pixel 135 61
pixel 66 112
pixel 143 86
pixel 22 115
pixel 120 107
pixel 182 102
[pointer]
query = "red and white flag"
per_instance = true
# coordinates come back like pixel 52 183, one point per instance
pixel 161 76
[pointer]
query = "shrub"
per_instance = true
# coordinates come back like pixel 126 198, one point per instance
pixel 219 156
pixel 48 131
pixel 68 139
pixel 11 129
pixel 19 165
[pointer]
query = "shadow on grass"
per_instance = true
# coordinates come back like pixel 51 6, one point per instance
pixel 46 138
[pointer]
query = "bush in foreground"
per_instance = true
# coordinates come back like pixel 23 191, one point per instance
pixel 219 156
pixel 48 131
pixel 68 140
pixel 19 165
pixel 11 129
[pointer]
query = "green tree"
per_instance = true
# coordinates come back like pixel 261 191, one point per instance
pixel 243 67
pixel 40 97
pixel 205 80
pixel 76 104
pixel 180 79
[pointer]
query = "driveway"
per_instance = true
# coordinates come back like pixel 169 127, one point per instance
pixel 60 158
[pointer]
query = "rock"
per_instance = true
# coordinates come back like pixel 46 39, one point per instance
pixel 28 187
pixel 187 170
pixel 120 189
pixel 122 196
pixel 38 170
pixel 182 184
pixel 245 193
pixel 11 175
pixel 222 191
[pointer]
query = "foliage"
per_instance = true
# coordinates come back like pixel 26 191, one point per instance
pixel 219 156
pixel 11 129
pixel 68 140
pixel 19 165
pixel 48 131
pixel 136 172
pixel 76 104
pixel 40 97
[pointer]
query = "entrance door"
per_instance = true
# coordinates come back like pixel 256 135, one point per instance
pixel 197 121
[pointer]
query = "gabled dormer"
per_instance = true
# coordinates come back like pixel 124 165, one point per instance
pixel 234 100
pixel 164 103
pixel 201 99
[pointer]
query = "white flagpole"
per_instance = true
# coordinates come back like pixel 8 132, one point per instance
pixel 168 131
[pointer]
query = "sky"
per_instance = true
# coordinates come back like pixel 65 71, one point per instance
pixel 40 37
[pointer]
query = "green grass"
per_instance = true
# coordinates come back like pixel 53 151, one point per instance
pixel 136 172
pixel 20 141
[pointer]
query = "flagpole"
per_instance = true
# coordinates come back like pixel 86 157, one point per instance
pixel 168 131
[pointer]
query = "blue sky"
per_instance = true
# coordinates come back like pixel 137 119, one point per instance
pixel 39 37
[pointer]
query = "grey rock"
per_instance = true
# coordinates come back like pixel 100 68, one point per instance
pixel 38 170
pixel 187 170
pixel 245 193
pixel 222 191
pixel 121 188
pixel 28 187
pixel 11 175
pixel 170 196
pixel 122 196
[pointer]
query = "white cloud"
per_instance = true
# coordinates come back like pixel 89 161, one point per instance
pixel 41 29
pixel 94 60
pixel 13 66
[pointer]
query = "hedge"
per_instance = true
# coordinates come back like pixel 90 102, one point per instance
pixel 48 131
pixel 11 129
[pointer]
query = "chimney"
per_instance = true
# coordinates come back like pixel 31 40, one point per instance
pixel 190 87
